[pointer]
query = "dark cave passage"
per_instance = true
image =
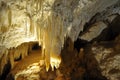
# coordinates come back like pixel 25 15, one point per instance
pixel 22 61
pixel 108 34
pixel 78 61
pixel 6 70
pixel 80 65
pixel 79 39
pixel 111 32
pixel 106 39
pixel 36 46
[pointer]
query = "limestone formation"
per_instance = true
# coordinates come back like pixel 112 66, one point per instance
pixel 50 22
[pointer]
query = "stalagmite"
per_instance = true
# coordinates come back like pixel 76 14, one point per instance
pixel 48 22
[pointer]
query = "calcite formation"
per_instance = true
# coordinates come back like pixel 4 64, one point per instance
pixel 49 22
pixel 9 56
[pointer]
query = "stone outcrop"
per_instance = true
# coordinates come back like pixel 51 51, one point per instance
pixel 50 22
pixel 107 56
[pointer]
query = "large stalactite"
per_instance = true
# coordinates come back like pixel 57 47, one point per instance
pixel 49 22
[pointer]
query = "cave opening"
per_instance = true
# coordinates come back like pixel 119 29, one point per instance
pixel 79 58
pixel 107 35
pixel 111 32
pixel 6 70
pixel 108 38
pixel 114 28
pixel 36 46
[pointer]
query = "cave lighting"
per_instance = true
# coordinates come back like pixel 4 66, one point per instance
pixel 45 27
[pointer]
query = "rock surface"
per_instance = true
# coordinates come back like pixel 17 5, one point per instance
pixel 8 57
pixel 50 22
pixel 107 55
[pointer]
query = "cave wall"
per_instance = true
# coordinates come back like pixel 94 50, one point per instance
pixel 26 19
pixel 50 22
pixel 9 57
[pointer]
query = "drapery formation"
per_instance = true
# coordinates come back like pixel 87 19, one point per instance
pixel 48 22
pixel 32 21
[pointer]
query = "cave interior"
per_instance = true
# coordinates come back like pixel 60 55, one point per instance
pixel 59 40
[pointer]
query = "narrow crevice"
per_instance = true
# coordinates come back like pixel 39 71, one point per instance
pixel 111 32
pixel 36 46
pixel 5 71
pixel 80 44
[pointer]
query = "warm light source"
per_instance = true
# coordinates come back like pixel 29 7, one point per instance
pixel 55 62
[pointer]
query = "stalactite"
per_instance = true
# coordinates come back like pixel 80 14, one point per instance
pixel 47 49
pixel 10 16
pixel 4 60
pixel 52 41
pixel 37 5
pixel 31 26
pixel 26 26
pixel 35 30
pixel 40 4
pixel 17 54
pixel 39 34
pixel 11 58
pixel 26 49
pixel 61 31
pixel 56 47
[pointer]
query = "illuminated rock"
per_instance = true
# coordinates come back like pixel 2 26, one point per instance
pixel 45 21
pixel 94 31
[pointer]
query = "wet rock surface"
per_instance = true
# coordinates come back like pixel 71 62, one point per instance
pixel 95 61
pixel 22 21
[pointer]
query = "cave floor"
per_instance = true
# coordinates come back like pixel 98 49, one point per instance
pixel 32 67
pixel 33 57
pixel 75 65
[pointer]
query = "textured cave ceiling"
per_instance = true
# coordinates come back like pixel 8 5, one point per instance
pixel 50 21
pixel 24 20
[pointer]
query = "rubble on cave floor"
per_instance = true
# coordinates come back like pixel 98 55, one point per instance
pixel 75 66
pixel 36 71
pixel 92 62
pixel 80 65
pixel 20 65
